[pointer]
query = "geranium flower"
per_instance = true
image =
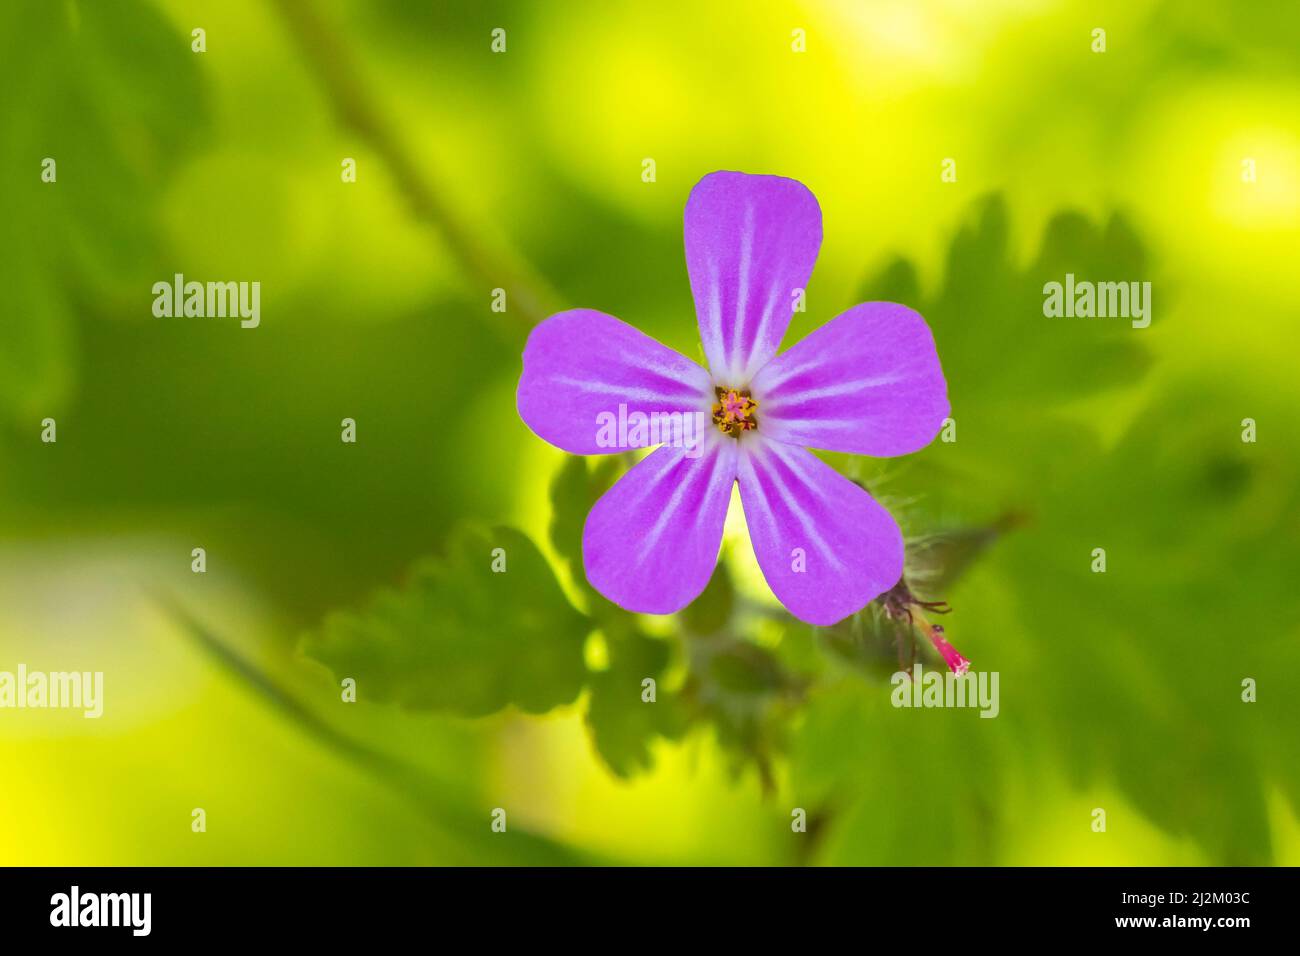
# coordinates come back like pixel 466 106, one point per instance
pixel 867 382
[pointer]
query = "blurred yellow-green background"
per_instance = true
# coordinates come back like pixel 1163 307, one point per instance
pixel 522 170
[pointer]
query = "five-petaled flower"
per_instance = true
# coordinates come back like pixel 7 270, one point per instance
pixel 868 382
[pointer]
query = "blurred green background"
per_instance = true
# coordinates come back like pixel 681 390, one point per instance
pixel 522 170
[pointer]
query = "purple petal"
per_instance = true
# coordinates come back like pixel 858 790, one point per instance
pixel 825 546
pixel 582 364
pixel 867 382
pixel 651 542
pixel 751 242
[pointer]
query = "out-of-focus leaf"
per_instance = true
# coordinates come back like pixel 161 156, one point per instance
pixel 111 94
pixel 1136 672
pixel 897 787
pixel 936 561
pixel 623 724
pixel 575 488
pixel 710 612
pixel 747 694
pixel 996 345
pixel 462 637
pixel 868 640
pixel 35 366
pixel 746 669
pixel 897 282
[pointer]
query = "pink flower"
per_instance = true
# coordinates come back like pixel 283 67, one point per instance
pixel 956 663
pixel 867 382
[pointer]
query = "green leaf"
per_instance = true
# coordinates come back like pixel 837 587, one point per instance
pixel 898 787
pixel 869 641
pixel 745 669
pixel 462 637
pixel 936 561
pixel 711 611
pixel 112 94
pixel 35 372
pixel 996 345
pixel 623 725
pixel 1136 672
pixel 575 488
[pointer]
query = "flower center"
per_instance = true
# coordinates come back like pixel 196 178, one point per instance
pixel 734 411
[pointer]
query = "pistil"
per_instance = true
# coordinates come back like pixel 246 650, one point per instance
pixel 734 411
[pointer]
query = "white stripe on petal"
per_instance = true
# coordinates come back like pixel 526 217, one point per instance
pixel 674 502
pixel 593 387
pixel 791 500
pixel 742 291
pixel 832 391
pixel 756 344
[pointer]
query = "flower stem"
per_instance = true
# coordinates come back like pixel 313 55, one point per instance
pixel 530 296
